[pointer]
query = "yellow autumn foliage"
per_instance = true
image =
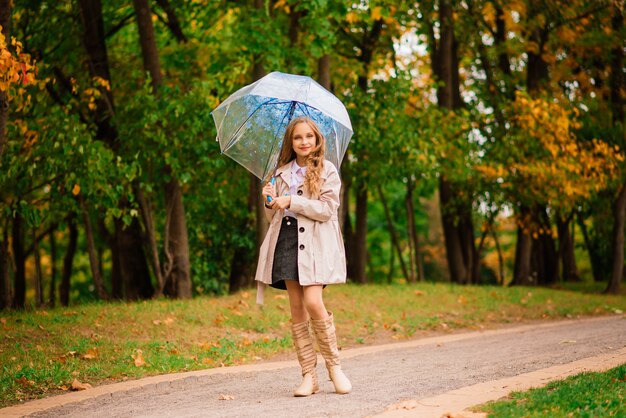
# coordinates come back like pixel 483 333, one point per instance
pixel 548 164
pixel 15 67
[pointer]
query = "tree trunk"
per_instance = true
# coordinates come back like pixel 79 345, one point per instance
pixel 500 256
pixel 148 222
pixel 149 51
pixel 93 257
pixel 545 256
pixel 5 281
pixel 418 274
pixel 131 263
pixel 6 7
pixel 38 272
pixel 19 257
pixel 454 251
pixel 468 246
pixel 243 260
pixel 459 241
pixel 172 21
pixel 360 238
pixel 522 274
pixel 53 269
pixel 619 211
pixel 178 240
pixel 68 261
pixel 393 234
pixel 323 72
pixel 566 248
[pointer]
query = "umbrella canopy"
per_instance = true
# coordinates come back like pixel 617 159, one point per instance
pixel 251 123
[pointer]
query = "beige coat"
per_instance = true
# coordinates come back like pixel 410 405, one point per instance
pixel 321 254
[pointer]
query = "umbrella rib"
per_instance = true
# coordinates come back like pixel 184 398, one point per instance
pixel 289 114
pixel 234 136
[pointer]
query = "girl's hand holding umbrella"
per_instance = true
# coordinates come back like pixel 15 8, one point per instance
pixel 282 202
pixel 268 193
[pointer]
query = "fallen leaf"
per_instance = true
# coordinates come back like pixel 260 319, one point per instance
pixel 3 320
pixel 157 322
pixel 462 300
pixel 24 381
pixel 77 385
pixel 244 303
pixel 419 293
pixel 139 361
pixel 91 354
pixel 280 297
pixel 245 295
pixel 70 313
pixel 63 387
pixel 568 342
pixel 169 320
pixel 71 353
pixel 224 397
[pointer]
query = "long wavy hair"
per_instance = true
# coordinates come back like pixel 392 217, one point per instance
pixel 315 160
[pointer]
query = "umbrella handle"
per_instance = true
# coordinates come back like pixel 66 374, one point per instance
pixel 272 181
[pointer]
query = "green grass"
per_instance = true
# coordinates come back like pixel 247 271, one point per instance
pixel 584 395
pixel 42 352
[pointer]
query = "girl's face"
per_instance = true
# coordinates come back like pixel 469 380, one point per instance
pixel 303 140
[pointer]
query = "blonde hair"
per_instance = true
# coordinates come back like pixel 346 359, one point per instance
pixel 315 160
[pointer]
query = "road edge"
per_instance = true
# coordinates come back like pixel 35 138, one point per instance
pixel 456 403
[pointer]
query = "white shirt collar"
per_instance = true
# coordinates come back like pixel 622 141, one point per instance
pixel 295 167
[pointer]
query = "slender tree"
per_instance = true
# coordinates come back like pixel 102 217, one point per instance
pixel 133 267
pixel 177 245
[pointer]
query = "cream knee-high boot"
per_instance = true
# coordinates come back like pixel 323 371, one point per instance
pixel 307 357
pixel 327 340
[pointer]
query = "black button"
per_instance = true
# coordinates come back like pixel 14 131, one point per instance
pixel 301 229
pixel 299 192
pixel 302 247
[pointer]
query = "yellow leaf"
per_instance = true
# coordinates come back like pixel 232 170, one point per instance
pixel 77 385
pixel 92 353
pixel 352 17
pixel 376 13
pixel 139 361
pixel 76 190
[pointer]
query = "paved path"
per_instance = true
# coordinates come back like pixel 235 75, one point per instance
pixel 388 379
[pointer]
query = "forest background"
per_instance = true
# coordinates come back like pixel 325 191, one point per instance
pixel 489 144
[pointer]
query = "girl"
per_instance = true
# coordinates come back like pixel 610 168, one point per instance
pixel 303 249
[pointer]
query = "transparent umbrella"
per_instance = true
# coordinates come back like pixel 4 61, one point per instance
pixel 252 121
